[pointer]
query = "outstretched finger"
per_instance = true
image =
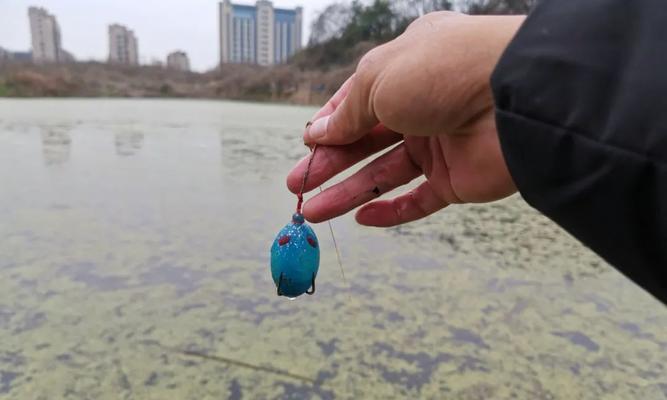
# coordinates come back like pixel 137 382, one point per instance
pixel 389 171
pixel 416 204
pixel 331 160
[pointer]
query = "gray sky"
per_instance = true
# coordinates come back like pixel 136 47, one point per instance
pixel 160 25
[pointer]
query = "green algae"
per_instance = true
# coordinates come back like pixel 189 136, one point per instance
pixel 135 266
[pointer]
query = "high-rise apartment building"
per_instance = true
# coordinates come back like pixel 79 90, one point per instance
pixel 123 47
pixel 259 34
pixel 179 61
pixel 45 34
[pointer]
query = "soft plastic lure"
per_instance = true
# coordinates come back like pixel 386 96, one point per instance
pixel 295 253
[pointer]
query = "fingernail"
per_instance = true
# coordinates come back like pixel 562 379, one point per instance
pixel 318 129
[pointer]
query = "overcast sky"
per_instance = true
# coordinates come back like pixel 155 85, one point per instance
pixel 160 25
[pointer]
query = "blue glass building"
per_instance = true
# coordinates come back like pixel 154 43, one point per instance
pixel 259 34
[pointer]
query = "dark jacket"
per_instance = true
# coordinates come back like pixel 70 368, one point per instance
pixel 581 97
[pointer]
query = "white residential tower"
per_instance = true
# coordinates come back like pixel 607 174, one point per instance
pixel 45 34
pixel 123 47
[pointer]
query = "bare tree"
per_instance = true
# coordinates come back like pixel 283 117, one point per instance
pixel 330 23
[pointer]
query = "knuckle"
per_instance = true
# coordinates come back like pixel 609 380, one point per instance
pixel 418 202
pixel 416 23
pixel 438 15
pixel 428 20
pixel 381 177
pixel 368 62
pixel 337 126
pixel 398 208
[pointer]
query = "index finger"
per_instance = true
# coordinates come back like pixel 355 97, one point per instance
pixel 331 160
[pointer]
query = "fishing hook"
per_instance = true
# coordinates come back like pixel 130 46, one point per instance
pixel 310 292
pixel 280 281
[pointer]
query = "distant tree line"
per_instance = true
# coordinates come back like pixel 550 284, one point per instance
pixel 342 31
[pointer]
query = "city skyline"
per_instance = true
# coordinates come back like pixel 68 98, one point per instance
pixel 176 25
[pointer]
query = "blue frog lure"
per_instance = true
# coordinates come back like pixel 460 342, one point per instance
pixel 295 259
pixel 295 253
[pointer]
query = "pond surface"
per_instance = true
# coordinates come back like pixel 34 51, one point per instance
pixel 134 238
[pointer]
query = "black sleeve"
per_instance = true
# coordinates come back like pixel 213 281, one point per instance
pixel 581 109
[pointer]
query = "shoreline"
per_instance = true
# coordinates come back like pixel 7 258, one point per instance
pixel 193 99
pixel 284 84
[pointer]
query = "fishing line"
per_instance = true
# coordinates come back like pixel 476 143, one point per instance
pixel 305 179
pixel 300 204
pixel 340 263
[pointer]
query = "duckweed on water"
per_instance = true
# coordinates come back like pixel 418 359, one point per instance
pixel 135 265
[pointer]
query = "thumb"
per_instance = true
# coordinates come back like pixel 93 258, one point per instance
pixel 352 116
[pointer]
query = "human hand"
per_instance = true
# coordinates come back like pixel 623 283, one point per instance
pixel 430 90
